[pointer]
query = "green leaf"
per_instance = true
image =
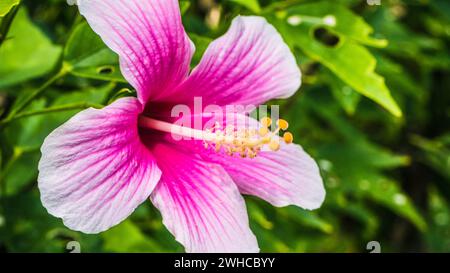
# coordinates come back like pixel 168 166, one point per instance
pixel 8 11
pixel 399 79
pixel 307 218
pixel 201 44
pixel 400 38
pixel 33 130
pixel 29 227
pixel 387 192
pixel 184 6
pixel 347 97
pixel 5 23
pixel 362 214
pixel 437 238
pixel 87 56
pixel 359 174
pixel 436 153
pixel 337 17
pixel 91 95
pixel 359 167
pixel 19 174
pixel 252 5
pixel 442 6
pixel 7 5
pixel 374 155
pixel 127 237
pixel 27 53
pixel 321 31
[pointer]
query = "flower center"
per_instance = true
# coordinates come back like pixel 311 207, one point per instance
pixel 243 141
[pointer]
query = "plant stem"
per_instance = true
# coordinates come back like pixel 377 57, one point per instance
pixel 60 108
pixel 40 90
pixel 18 152
pixel 22 105
pixel 281 5
pixel 16 155
pixel 6 23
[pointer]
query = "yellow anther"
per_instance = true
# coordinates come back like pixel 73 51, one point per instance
pixel 274 145
pixel 263 131
pixel 288 138
pixel 283 124
pixel 266 121
pixel 247 142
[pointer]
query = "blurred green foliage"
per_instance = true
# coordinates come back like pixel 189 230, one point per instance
pixel 374 111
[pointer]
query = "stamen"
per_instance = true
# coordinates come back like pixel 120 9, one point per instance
pixel 288 138
pixel 266 122
pixel 245 142
pixel 263 131
pixel 283 124
pixel 274 145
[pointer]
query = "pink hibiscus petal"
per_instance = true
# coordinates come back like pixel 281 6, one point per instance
pixel 94 170
pixel 250 64
pixel 200 204
pixel 155 52
pixel 288 176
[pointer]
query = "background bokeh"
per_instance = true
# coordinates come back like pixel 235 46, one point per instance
pixel 373 110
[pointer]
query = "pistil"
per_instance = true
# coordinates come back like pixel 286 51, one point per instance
pixel 247 142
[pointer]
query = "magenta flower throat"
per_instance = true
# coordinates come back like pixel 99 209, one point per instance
pixel 98 167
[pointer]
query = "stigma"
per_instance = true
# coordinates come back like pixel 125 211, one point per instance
pixel 245 141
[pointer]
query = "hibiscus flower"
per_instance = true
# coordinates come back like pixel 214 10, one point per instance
pixel 99 166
